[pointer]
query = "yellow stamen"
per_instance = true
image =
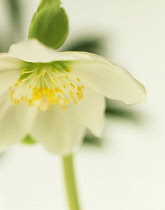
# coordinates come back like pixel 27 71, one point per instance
pixel 45 86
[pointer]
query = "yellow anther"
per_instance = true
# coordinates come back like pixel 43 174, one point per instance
pixel 23 71
pixel 74 101
pixel 55 101
pixel 43 90
pixel 19 81
pixel 66 101
pixel 30 102
pixel 58 90
pixel 69 70
pixel 38 76
pixel 79 88
pixel 72 85
pixel 59 97
pixel 78 79
pixel 71 93
pixel 12 95
pixel 79 95
pixel 44 72
pixel 66 76
pixel 16 101
pixel 51 92
pixel 35 89
pixel 63 107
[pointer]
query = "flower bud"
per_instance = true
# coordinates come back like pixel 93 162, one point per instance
pixel 49 24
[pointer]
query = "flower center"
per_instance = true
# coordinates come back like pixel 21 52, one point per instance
pixel 43 84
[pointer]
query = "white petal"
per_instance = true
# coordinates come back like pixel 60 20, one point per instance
pixel 8 79
pixel 9 71
pixel 90 110
pixel 15 123
pixel 60 131
pixel 8 62
pixel 114 82
pixel 34 51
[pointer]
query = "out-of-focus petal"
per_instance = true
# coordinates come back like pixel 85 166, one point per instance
pixel 60 131
pixel 90 110
pixel 15 123
pixel 112 81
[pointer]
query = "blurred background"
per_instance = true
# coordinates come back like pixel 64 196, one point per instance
pixel 125 169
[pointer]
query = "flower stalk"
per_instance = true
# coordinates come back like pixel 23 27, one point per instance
pixel 70 183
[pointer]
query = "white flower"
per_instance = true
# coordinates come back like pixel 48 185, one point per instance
pixel 55 96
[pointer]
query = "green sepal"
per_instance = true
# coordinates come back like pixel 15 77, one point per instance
pixel 28 140
pixel 92 140
pixel 49 3
pixel 49 24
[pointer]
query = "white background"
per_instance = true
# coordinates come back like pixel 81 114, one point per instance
pixel 128 172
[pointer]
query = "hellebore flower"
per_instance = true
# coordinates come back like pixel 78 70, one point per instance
pixel 56 96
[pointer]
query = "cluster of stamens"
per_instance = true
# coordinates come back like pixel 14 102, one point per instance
pixel 43 84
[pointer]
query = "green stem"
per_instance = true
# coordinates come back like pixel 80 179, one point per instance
pixel 69 176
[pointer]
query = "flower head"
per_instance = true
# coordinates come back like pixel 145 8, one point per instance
pixel 55 96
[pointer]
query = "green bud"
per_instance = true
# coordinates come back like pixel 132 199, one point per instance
pixel 28 140
pixel 49 24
